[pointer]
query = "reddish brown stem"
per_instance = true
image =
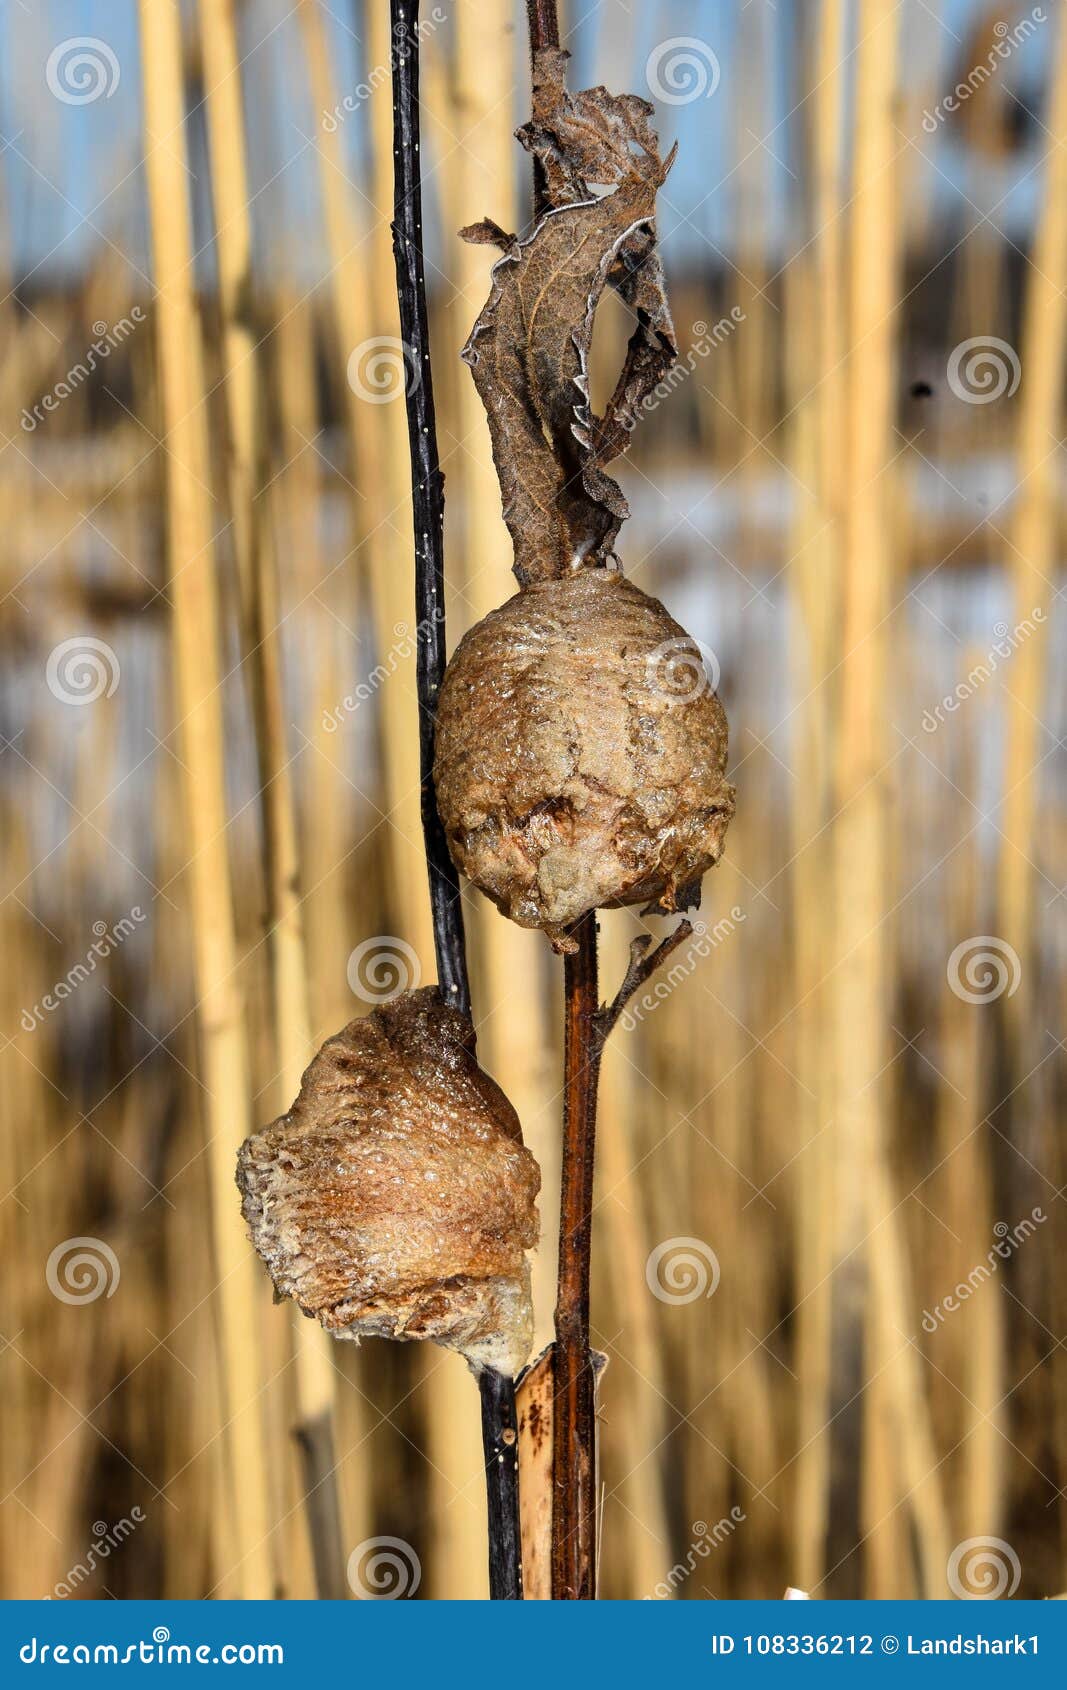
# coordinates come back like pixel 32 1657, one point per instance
pixel 543 17
pixel 574 1443
pixel 574 1413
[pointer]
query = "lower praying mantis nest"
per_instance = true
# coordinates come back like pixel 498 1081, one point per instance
pixel 581 754
pixel 396 1199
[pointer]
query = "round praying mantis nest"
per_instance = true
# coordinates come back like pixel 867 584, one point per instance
pixel 581 754
pixel 395 1199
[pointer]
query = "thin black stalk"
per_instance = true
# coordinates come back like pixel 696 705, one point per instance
pixel 500 1441
pixel 427 493
pixel 428 503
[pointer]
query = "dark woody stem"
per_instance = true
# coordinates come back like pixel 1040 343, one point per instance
pixel 500 1444
pixel 543 19
pixel 586 1031
pixel 574 1409
pixel 428 505
pixel 427 493
pixel 587 1027
pixel 543 16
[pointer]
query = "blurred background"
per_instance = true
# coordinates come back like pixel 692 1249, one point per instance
pixel 830 1221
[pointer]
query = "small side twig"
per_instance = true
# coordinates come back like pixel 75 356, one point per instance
pixel 641 968
pixel 428 504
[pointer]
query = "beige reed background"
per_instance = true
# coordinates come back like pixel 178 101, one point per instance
pixel 829 1229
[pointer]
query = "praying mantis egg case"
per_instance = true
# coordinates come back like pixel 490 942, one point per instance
pixel 395 1198
pixel 581 754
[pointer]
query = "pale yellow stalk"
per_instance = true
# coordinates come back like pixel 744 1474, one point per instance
pixel 1035 542
pixel 870 1271
pixel 257 572
pixel 816 297
pixel 190 523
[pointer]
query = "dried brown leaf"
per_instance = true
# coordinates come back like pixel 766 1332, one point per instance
pixel 529 350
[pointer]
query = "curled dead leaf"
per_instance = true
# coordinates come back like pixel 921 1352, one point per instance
pixel 529 349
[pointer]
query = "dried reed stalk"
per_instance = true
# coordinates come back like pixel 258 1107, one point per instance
pixel 1035 542
pixel 257 575
pixel 976 1359
pixel 860 981
pixel 190 540
pixel 639 1543
pixel 870 1259
pixel 816 377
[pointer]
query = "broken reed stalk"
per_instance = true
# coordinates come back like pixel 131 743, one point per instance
pixel 499 1418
